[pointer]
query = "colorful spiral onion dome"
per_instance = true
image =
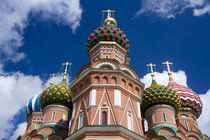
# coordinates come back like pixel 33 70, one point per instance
pixel 56 94
pixel 189 99
pixel 159 94
pixel 33 105
pixel 108 32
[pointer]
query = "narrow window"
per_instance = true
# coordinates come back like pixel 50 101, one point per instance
pixel 64 116
pixel 153 118
pixel 104 118
pixel 53 116
pixel 73 113
pixel 164 117
pixel 80 123
pixel 129 121
pixel 186 125
pixel 106 56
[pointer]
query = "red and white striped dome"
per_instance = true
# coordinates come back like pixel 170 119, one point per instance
pixel 189 99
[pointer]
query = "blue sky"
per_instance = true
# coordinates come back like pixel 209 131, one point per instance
pixel 37 36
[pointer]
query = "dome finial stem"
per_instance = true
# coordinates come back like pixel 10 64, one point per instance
pixel 66 68
pixel 168 67
pixel 152 72
pixel 53 76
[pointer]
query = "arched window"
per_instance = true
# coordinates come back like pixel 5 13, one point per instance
pixel 164 117
pixel 186 125
pixel 104 118
pixel 130 121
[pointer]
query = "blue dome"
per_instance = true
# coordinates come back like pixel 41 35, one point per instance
pixel 33 105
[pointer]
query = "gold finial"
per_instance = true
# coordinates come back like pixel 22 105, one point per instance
pixel 151 67
pixel 52 75
pixel 168 67
pixel 66 68
pixel 109 19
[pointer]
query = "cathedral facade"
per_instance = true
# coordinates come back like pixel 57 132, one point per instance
pixel 107 100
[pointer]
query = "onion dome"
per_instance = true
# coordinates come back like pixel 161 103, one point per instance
pixel 159 94
pixel 33 105
pixel 189 99
pixel 108 32
pixel 56 94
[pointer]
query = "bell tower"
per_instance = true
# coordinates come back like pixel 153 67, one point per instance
pixel 106 93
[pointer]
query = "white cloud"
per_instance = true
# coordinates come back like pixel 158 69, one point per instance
pixel 14 16
pixel 181 78
pixel 16 90
pixel 19 131
pixel 162 78
pixel 204 119
pixel 171 8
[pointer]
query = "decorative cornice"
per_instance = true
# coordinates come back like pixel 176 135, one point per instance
pixel 106 70
pixel 107 129
pixel 108 42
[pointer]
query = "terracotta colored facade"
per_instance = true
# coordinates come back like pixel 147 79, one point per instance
pixel 106 104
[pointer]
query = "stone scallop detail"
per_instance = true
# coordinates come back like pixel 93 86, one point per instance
pixel 189 99
pixel 159 94
pixel 56 94
pixel 108 32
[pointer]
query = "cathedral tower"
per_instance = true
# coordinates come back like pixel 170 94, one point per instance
pixel 106 93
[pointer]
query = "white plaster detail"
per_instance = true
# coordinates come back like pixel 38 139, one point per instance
pixel 80 122
pixel 73 113
pixel 92 97
pixel 129 71
pixel 106 63
pixel 117 97
pixel 139 109
pixel 130 121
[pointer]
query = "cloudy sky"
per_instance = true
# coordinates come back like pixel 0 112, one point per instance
pixel 36 36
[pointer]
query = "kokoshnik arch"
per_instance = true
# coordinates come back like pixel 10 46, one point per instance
pixel 108 101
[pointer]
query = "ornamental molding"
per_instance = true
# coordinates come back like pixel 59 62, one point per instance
pixel 106 63
pixel 129 71
pixel 107 42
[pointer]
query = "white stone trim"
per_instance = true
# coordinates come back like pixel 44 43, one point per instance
pixel 105 63
pixel 129 71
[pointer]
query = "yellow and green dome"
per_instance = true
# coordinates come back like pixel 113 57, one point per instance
pixel 56 94
pixel 159 94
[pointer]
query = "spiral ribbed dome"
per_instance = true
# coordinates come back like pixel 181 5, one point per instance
pixel 108 32
pixel 56 94
pixel 159 94
pixel 189 99
pixel 33 105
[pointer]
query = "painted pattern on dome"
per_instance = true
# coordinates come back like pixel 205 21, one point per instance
pixel 108 32
pixel 56 94
pixel 159 94
pixel 189 98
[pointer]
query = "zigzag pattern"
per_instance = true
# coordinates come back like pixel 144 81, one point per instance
pixel 188 97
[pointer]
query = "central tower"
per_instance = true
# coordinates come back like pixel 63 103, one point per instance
pixel 106 93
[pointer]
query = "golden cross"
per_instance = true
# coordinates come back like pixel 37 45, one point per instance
pixel 168 65
pixel 66 64
pixel 52 75
pixel 151 66
pixel 108 12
